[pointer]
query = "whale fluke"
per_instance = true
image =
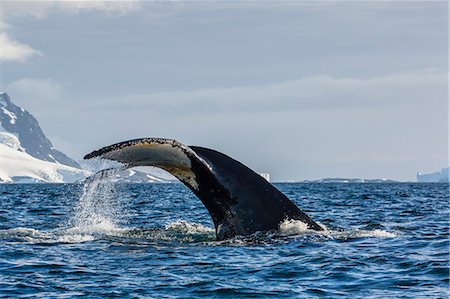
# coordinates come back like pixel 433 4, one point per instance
pixel 239 200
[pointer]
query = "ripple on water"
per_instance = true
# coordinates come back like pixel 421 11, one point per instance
pixel 55 240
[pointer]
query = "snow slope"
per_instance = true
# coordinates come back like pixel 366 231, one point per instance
pixel 19 167
pixel 26 155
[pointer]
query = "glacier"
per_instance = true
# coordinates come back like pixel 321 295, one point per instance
pixel 19 167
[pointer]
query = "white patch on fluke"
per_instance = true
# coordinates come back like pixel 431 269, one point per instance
pixel 170 156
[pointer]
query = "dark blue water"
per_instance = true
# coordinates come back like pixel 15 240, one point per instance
pixel 141 241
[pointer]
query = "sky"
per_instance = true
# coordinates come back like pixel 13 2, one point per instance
pixel 301 90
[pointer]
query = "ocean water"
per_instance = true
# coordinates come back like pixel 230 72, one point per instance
pixel 157 241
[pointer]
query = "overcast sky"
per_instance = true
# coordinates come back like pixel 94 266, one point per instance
pixel 301 90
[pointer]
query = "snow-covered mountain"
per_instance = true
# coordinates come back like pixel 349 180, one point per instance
pixel 26 155
pixel 136 177
pixel 20 123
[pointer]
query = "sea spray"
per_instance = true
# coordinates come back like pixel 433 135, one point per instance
pixel 99 209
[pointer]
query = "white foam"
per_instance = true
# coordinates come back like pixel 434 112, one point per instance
pixel 75 238
pixel 24 234
pixel 71 235
pixel 106 227
pixel 351 234
pixel 293 227
pixel 180 230
pixel 297 227
pixel 377 233
pixel 19 231
pixel 185 227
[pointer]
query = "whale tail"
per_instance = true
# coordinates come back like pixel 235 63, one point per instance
pixel 239 200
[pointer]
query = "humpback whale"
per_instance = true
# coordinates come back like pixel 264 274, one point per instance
pixel 239 200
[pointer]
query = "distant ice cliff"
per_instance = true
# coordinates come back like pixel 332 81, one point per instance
pixel 434 177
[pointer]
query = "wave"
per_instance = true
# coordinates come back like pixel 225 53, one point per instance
pixel 297 227
pixel 179 231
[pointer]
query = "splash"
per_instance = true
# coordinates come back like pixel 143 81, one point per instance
pixel 99 209
pixel 296 227
pixel 293 227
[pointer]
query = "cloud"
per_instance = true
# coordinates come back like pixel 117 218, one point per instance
pixel 12 50
pixel 312 127
pixel 40 9
pixel 4 26
pixel 35 94
pixel 321 125
pixel 319 92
